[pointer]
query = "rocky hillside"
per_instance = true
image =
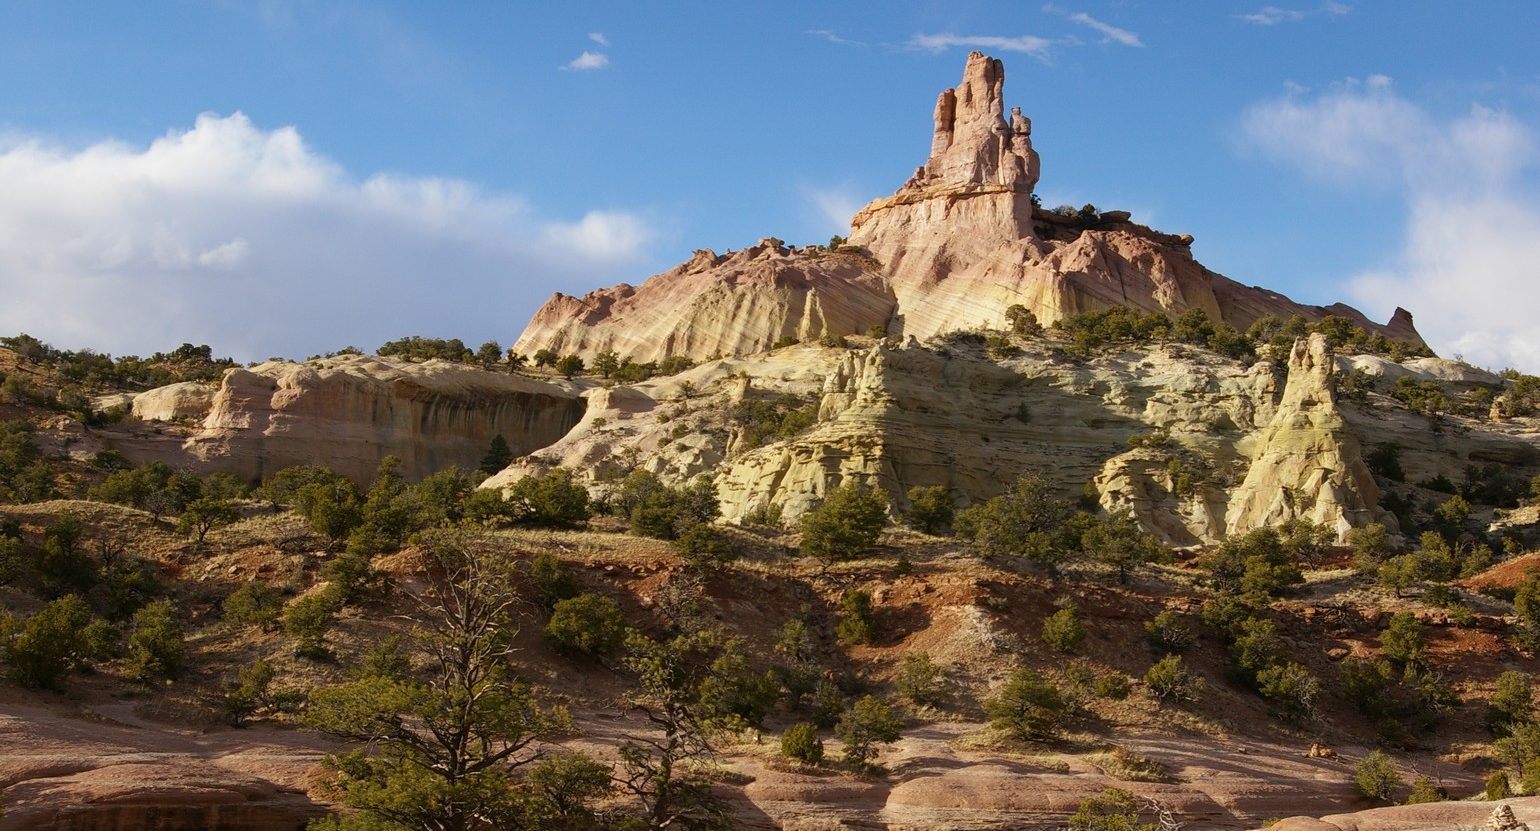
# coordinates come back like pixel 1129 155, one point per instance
pixel 956 246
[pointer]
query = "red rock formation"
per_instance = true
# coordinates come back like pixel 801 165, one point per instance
pixel 955 246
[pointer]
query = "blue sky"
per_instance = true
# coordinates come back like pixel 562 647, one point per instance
pixel 282 178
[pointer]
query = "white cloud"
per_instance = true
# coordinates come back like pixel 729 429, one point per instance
pixel 1027 44
pixel 834 206
pixel 1273 15
pixel 1471 242
pixel 588 60
pixel 599 38
pixel 250 241
pixel 834 37
pixel 1110 33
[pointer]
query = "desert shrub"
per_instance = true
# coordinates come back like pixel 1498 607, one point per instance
pixel 351 572
pixel 857 624
pixel 306 620
pixel 1115 686
pixel 1497 786
pixel 60 638
pixel 1089 332
pixel 1291 687
pixel 664 513
pixel 1022 321
pixel 1063 632
pixel 801 742
pixel 550 580
pixel 417 348
pixel 248 694
pixel 868 723
pixel 590 624
pixel 565 785
pixel 1169 681
pixel 552 500
pixel 1420 396
pixel 1117 541
pixel 1114 809
pixel 1028 707
pixel 1526 610
pixel 1255 564
pixel 1027 522
pixel 764 420
pixel 1370 545
pixel 1377 777
pixel 1403 641
pixel 62 564
pixel 1512 702
pixel 826 702
pixel 921 681
pixel 846 525
pixel 734 694
pixel 1167 632
pixel 13 561
pixel 931 509
pixel 1423 790
pixel 705 547
pixel 155 642
pixel 1385 460
pixel 764 516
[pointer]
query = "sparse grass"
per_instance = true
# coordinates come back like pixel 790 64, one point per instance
pixel 1129 766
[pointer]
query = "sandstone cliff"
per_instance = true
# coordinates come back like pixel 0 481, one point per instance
pixel 348 413
pixel 957 245
pixel 1194 445
pixel 713 305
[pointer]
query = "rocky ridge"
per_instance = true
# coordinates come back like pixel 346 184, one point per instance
pixel 952 249
pixel 348 413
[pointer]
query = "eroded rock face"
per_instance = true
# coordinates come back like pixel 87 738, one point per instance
pixel 715 305
pixel 954 247
pixel 1306 463
pixel 351 411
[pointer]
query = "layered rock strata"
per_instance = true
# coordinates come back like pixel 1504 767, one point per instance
pixel 953 248
pixel 350 412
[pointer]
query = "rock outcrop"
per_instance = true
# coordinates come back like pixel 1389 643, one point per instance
pixel 714 305
pixel 1306 464
pixel 351 411
pixel 1193 445
pixel 953 248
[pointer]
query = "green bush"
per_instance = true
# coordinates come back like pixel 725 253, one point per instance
pixel 1115 686
pixel 801 742
pixel 868 723
pixel 1423 790
pixel 566 784
pixel 1377 777
pixel 248 695
pixel 1256 564
pixel 1169 681
pixel 307 619
pixel 1114 809
pixel 1167 632
pixel 60 638
pixel 921 681
pixel 761 420
pixel 1028 707
pixel 1117 541
pixel 1497 786
pixel 664 513
pixel 1512 702
pixel 1027 522
pixel 590 624
pixel 156 647
pixel 705 547
pixel 1291 687
pixel 552 500
pixel 550 580
pixel 857 624
pixel 931 509
pixel 846 525
pixel 1063 632
pixel 1403 641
